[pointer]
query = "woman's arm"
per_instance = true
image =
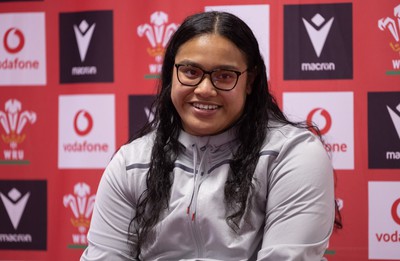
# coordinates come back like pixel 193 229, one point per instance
pixel 300 202
pixel 113 211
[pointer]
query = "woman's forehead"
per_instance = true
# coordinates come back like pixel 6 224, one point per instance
pixel 211 49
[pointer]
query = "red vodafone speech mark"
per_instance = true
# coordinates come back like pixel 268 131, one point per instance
pixel 324 113
pixel 21 38
pixel 89 119
pixel 395 215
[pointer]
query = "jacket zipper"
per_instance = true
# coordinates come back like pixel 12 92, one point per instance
pixel 193 222
pixel 198 177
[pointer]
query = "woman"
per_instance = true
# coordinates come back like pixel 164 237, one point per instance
pixel 220 174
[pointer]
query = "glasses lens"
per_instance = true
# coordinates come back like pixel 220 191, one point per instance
pixel 224 79
pixel 189 75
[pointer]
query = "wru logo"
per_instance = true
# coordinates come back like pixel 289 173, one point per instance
pixel 158 34
pixel 13 121
pixel 390 24
pixel 82 206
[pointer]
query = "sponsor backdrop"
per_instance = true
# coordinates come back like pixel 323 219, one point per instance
pixel 77 79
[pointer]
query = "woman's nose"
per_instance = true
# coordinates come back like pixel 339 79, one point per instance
pixel 205 87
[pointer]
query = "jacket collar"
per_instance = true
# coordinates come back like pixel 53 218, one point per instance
pixel 188 140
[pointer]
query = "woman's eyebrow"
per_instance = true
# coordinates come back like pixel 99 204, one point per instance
pixel 189 62
pixel 195 64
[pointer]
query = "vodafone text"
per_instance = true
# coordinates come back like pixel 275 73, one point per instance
pixel 18 64
pixel 386 237
pixel 85 147
pixel 336 147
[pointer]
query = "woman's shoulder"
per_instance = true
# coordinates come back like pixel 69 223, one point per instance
pixel 143 140
pixel 281 135
pixel 139 148
pixel 285 130
pixel 296 147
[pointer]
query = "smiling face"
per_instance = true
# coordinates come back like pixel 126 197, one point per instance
pixel 203 109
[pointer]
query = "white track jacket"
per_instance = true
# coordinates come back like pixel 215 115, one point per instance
pixel 292 212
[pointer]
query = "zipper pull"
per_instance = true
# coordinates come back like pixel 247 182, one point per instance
pixel 188 213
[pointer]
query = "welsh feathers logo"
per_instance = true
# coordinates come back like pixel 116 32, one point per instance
pixel 81 204
pixel 13 121
pixel 389 25
pixel 158 33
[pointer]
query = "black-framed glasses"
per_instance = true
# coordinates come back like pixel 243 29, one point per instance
pixel 222 79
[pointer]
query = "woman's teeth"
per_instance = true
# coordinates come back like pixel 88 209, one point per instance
pixel 205 106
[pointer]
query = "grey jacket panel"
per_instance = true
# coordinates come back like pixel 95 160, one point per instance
pixel 292 205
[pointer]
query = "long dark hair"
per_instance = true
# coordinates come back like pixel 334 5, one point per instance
pixel 260 107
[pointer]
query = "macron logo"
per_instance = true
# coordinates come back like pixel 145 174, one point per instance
pixel 83 35
pixel 395 118
pixel 149 114
pixel 318 36
pixel 16 206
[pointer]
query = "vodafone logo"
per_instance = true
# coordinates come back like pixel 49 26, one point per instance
pixel 335 123
pixel 83 123
pixel 395 212
pixel 391 237
pixel 23 49
pixel 13 40
pixel 323 120
pixel 383 220
pixel 86 131
pixel 320 113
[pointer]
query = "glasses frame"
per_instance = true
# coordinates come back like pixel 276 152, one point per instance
pixel 238 74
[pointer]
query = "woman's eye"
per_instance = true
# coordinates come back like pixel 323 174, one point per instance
pixel 225 76
pixel 191 72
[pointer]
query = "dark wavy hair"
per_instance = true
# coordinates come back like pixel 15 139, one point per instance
pixel 260 107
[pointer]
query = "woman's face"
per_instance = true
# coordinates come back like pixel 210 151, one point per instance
pixel 203 109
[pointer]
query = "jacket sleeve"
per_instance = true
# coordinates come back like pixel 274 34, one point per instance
pixel 300 202
pixel 113 211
